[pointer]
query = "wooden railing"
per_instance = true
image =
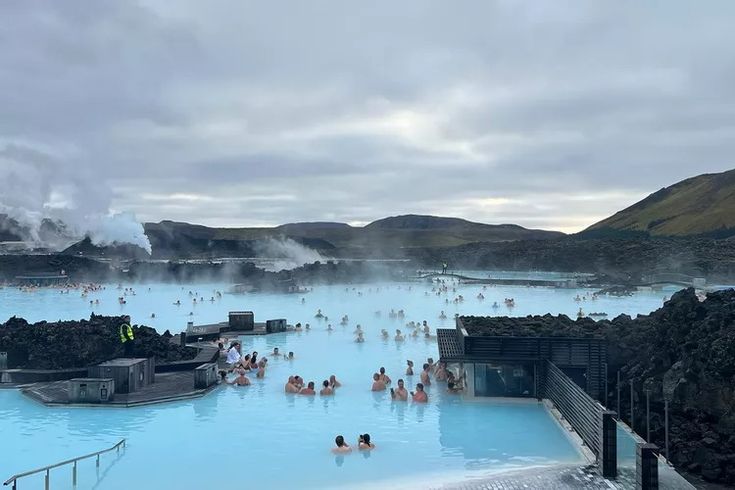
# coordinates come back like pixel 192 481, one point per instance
pixel 14 479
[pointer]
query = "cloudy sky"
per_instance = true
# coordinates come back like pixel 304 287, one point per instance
pixel 546 114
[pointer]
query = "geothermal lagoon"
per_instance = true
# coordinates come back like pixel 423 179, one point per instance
pixel 240 435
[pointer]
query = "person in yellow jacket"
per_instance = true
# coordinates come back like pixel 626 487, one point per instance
pixel 126 335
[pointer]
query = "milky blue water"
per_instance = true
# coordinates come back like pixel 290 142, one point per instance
pixel 258 435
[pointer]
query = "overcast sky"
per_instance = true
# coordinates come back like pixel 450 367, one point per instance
pixel 546 114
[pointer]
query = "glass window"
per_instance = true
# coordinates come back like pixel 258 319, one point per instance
pixel 512 380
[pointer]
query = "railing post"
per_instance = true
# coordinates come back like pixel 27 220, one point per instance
pixel 98 461
pixel 46 480
pixel 666 426
pixel 632 419
pixel 609 445
pixel 646 468
pixel 648 415
pixel 74 474
pixel 617 387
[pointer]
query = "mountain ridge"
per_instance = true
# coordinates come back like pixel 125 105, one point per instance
pixel 699 205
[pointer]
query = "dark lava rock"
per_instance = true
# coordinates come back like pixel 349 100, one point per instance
pixel 75 344
pixel 684 351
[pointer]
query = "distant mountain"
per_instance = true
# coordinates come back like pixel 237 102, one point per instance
pixel 383 238
pixel 702 205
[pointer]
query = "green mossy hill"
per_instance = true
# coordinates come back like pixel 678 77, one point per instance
pixel 702 205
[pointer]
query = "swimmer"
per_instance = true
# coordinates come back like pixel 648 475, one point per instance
pixel 329 327
pixel 291 385
pixel 360 338
pixel 378 385
pixel 297 328
pixel 409 369
pixel 261 368
pixel 326 390
pixel 400 393
pixel 364 444
pixel 333 382
pixel 309 390
pixel 153 315
pixel 442 315
pixel 384 333
pixel 318 314
pixel 399 337
pixel 241 380
pixel 308 327
pixel 342 446
pixel 384 377
pixel 441 372
pixel 425 374
pixel 275 351
pixel 358 329
pixel 420 395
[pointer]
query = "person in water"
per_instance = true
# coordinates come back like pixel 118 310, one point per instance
pixel 420 395
pixel 399 336
pixel 333 382
pixel 326 390
pixel 409 369
pixel 378 385
pixel 342 446
pixel 309 390
pixel 400 393
pixel 275 352
pixel 425 374
pixel 241 380
pixel 363 443
pixel 291 385
pixel 384 377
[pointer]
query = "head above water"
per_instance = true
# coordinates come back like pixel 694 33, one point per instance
pixel 376 376
pixel 420 386
pixel 325 383
pixel 339 441
pixel 426 366
pixel 311 385
pixel 382 370
pixel 400 383
pixel 366 438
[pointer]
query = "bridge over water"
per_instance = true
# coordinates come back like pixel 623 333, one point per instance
pixel 561 283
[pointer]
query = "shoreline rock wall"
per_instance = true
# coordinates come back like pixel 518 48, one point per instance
pixel 685 350
pixel 82 343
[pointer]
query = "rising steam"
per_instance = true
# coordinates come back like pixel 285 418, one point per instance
pixel 288 253
pixel 57 201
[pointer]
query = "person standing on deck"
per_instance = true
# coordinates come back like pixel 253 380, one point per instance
pixel 126 336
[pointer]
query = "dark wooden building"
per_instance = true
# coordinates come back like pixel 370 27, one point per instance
pixel 514 365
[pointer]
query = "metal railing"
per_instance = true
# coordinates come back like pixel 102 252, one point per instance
pixel 581 410
pixel 14 479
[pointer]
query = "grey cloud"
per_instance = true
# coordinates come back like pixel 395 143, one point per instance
pixel 258 113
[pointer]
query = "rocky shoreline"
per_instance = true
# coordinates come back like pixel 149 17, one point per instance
pixel 82 343
pixel 685 351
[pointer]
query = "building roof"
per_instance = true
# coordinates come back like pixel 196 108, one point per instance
pixel 122 361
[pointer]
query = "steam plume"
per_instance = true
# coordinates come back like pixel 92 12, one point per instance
pixel 57 200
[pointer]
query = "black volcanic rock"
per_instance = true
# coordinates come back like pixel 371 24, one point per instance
pixel 78 344
pixel 86 248
pixel 685 349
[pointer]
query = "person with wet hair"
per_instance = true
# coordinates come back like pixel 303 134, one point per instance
pixel 378 384
pixel 409 369
pixel 326 390
pixel 309 390
pixel 420 395
pixel 363 442
pixel 333 383
pixel 342 446
pixel 425 374
pixel 400 393
pixel 384 377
